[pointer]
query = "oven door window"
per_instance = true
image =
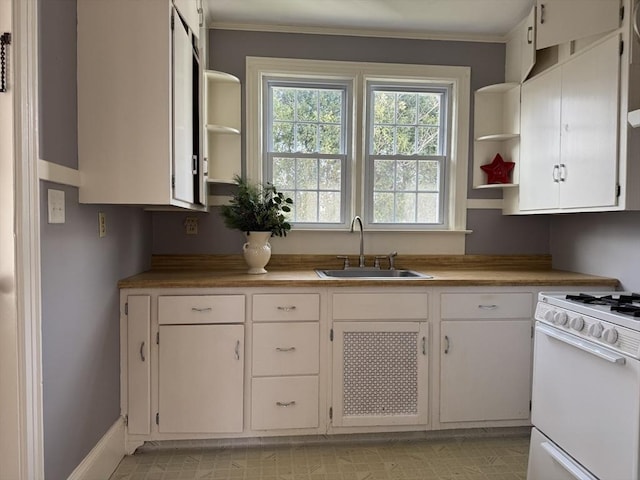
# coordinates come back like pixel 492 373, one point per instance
pixel 585 399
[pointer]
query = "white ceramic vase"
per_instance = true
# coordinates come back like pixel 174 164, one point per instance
pixel 257 251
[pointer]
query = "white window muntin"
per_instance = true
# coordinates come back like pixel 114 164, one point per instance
pixel 344 155
pixel 443 159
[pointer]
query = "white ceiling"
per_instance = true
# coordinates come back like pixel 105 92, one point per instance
pixel 465 19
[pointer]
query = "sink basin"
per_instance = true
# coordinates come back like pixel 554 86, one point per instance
pixel 370 274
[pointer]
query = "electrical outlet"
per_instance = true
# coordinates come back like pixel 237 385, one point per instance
pixel 191 225
pixel 55 201
pixel 102 224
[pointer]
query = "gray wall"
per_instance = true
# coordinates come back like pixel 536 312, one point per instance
pixel 80 319
pixel 228 49
pixel 600 244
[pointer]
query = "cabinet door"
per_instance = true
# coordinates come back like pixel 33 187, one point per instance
pixel 380 373
pixel 589 131
pixel 201 370
pixel 540 142
pixel 528 42
pixel 183 104
pixel 561 21
pixel 485 370
pixel 138 370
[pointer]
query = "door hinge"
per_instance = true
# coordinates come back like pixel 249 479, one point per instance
pixel 532 331
pixel 126 420
pixel 621 47
pixel 157 419
pixel 173 181
pixel 172 19
pixel 618 190
pixel 157 338
pixel 622 13
pixel 331 335
pixel 330 413
pixel 126 308
pixel 529 405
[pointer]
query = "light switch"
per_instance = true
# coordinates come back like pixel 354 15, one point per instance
pixel 55 200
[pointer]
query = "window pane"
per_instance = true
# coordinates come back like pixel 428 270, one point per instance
pixel 428 208
pixel 306 138
pixel 383 175
pixel 428 176
pixel 383 207
pixel 428 141
pixel 330 104
pixel 405 208
pixel 283 103
pixel 307 105
pixel 407 108
pixel 282 137
pixel 383 143
pixel 330 174
pixel 307 173
pixel 384 104
pixel 406 141
pixel 429 109
pixel 284 173
pixel 306 207
pixel 329 211
pixel 330 139
pixel 406 175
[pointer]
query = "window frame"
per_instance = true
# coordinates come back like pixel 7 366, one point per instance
pixel 358 73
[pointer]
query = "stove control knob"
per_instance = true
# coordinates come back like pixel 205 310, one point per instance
pixel 577 324
pixel 560 318
pixel 595 330
pixel 548 316
pixel 610 336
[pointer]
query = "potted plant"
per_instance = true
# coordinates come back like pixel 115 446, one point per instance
pixel 260 211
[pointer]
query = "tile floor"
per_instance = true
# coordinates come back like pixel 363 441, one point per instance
pixel 492 458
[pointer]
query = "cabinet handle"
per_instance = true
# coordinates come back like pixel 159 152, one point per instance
pixel 142 352
pixel 237 350
pixel 488 307
pixel 563 172
pixel 529 35
pixel 285 349
pixel 541 13
pixel 447 344
pixel 424 345
pixel 286 404
pixel 288 308
pixel 196 309
pixel 556 173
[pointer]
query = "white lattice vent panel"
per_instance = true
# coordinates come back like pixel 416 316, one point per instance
pixel 380 375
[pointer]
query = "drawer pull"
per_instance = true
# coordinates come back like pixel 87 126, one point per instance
pixel 237 350
pixel 488 307
pixel 289 308
pixel 285 349
pixel 286 404
pixel 196 309
pixel 142 352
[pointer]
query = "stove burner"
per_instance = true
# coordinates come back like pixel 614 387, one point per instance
pixel 626 304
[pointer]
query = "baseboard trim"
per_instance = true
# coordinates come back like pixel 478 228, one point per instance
pixel 103 459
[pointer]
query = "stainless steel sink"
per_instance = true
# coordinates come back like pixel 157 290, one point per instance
pixel 366 273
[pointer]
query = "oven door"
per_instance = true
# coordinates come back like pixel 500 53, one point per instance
pixel 586 400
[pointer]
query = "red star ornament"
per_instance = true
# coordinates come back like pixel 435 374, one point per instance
pixel 498 170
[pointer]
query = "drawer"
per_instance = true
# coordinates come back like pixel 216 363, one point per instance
pixel 286 307
pixel 188 309
pixel 286 348
pixel 486 305
pixel 284 402
pixel 380 306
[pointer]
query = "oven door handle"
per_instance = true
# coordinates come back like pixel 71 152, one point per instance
pixel 582 345
pixel 567 463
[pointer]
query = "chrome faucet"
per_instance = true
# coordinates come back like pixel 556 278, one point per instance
pixel 361 257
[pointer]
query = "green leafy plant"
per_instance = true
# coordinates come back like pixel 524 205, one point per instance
pixel 257 208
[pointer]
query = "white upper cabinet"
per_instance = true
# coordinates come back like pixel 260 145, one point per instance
pixel 139 114
pixel 560 21
pixel 191 12
pixel 569 133
pixel 521 49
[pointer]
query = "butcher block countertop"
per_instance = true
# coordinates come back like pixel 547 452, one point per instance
pixel 226 271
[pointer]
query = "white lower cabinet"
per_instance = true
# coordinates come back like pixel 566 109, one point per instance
pixel 284 402
pixel 138 385
pixel 485 357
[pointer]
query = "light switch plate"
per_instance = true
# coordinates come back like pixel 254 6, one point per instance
pixel 55 202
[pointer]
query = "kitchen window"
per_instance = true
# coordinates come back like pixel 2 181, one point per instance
pixel 387 142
